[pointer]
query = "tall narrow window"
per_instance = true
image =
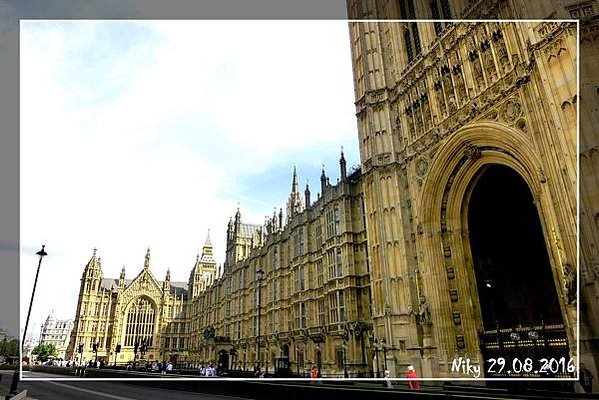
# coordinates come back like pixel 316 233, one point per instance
pixel 302 278
pixel 337 221
pixel 339 263
pixel 319 273
pixel 411 36
pixel 440 11
pixel 302 244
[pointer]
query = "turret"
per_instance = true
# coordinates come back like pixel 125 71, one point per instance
pixel 294 204
pixel 343 166
pixel 166 285
pixel 147 260
pixel 323 181
pixel 307 196
pixel 92 273
pixel 122 278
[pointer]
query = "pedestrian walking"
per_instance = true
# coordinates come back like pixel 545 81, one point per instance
pixel 314 373
pixel 388 383
pixel 586 378
pixel 413 383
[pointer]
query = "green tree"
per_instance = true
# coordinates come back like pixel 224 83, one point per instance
pixel 9 347
pixel 45 351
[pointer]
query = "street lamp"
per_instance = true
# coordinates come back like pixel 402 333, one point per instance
pixel 376 356
pixel 95 350
pixel 344 346
pixel 298 349
pixel 384 343
pixel 117 350
pixel 259 277
pixel 15 377
pixel 318 358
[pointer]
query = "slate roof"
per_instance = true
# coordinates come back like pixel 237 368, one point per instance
pixel 177 288
pixel 248 230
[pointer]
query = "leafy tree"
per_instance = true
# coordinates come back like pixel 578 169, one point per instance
pixel 9 347
pixel 45 351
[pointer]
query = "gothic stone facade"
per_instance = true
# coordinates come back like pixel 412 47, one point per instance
pixel 390 251
pixel 129 311
pixel 440 108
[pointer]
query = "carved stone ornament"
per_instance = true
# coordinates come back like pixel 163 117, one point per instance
pixel 471 151
pixel 457 317
pixel 511 111
pixel 421 167
pixel 450 273
pixel 424 315
pixel 570 283
pixel 460 341
pixel 453 295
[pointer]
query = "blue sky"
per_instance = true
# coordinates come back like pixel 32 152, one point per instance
pixel 149 133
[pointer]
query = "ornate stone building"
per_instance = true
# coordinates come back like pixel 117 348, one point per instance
pixel 397 58
pixel 472 128
pixel 56 332
pixel 137 311
pixel 456 237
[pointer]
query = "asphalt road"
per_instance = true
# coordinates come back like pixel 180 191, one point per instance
pixel 55 390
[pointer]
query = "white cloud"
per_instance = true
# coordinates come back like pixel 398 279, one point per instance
pixel 138 163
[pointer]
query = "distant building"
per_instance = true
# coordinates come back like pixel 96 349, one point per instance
pixel 56 332
pixel 30 344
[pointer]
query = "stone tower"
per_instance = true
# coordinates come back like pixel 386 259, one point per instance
pixel 445 111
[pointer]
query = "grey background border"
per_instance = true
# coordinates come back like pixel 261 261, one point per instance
pixel 13 11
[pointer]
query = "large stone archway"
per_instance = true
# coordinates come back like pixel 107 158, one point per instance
pixel 446 259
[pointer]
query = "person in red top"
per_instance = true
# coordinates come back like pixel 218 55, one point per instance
pixel 314 373
pixel 412 378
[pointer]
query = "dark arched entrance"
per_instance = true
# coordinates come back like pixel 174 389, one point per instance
pixel 519 303
pixel 511 264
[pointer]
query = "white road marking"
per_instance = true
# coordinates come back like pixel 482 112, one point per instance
pixel 94 392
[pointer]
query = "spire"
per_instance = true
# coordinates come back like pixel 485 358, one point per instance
pixel 294 204
pixel 307 195
pixel 166 285
pixel 208 243
pixel 237 216
pixel 280 218
pixel 294 185
pixel 343 166
pixel 93 266
pixel 122 278
pixel 207 249
pixel 147 261
pixel 323 180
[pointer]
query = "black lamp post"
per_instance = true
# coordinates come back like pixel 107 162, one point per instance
pixel 143 348
pixel 376 356
pixel 344 346
pixel 95 350
pixel 41 254
pixel 135 349
pixel 259 277
pixel 297 360
pixel 384 344
pixel 15 377
pixel 318 358
pixel 117 350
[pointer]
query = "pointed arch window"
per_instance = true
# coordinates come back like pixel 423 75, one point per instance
pixel 140 322
pixel 440 10
pixel 411 36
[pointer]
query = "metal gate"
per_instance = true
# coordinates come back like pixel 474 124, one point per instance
pixel 506 352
